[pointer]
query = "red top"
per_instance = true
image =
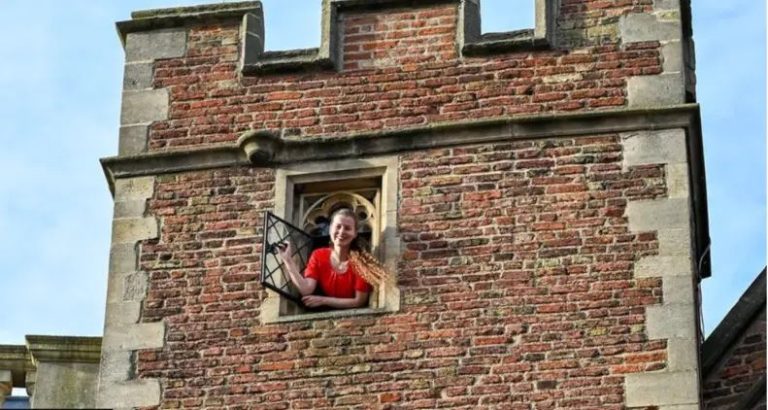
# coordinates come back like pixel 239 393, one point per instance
pixel 332 283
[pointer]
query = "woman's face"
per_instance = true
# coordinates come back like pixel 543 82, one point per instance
pixel 343 230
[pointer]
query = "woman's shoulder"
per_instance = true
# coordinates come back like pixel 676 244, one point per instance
pixel 321 252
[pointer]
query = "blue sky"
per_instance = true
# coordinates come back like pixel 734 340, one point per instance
pixel 60 85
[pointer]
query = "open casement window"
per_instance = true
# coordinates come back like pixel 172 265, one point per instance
pixel 315 211
pixel 305 199
pixel 273 274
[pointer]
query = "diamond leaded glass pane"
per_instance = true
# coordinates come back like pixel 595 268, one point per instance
pixel 273 275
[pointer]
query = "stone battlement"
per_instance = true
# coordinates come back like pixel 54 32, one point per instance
pixel 351 36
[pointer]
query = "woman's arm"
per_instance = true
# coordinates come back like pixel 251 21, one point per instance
pixel 360 300
pixel 306 286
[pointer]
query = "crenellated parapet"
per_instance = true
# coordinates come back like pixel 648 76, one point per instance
pixel 335 34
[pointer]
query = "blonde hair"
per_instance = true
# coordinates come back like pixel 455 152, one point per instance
pixel 366 265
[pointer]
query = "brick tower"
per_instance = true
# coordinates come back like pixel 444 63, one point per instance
pixel 537 195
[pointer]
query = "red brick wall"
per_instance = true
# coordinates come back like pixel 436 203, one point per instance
pixel 399 38
pixel 516 270
pixel 739 370
pixel 516 281
pixel 400 69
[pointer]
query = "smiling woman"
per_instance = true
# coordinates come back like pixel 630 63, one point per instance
pixel 341 273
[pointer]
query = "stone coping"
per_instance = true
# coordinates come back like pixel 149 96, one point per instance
pixel 23 359
pixel 493 43
pixel 255 60
pixel 156 19
pixel 271 62
pixel 64 349
pixel 379 4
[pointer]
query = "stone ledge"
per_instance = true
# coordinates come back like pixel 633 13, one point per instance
pixel 64 349
pixel 287 151
pixel 336 314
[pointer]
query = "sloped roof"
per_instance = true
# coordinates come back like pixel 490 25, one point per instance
pixel 728 332
pixel 738 319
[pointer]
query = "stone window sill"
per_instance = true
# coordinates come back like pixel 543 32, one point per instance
pixel 333 314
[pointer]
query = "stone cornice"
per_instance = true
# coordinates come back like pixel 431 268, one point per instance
pixel 16 359
pixel 264 149
pixel 64 349
pixel 156 19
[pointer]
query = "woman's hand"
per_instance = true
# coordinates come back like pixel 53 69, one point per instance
pixel 284 251
pixel 314 301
